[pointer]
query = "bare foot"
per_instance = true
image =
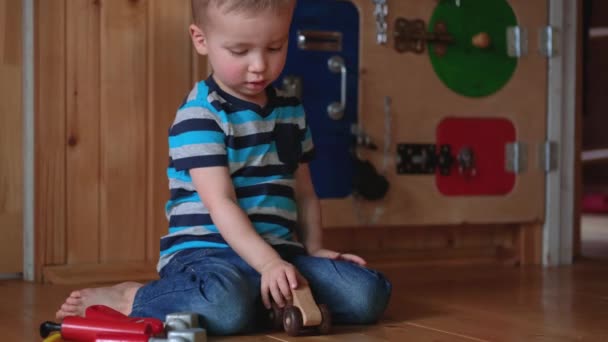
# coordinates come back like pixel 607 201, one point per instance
pixel 119 297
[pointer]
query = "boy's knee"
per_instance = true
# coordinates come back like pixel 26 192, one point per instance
pixel 227 305
pixel 371 300
pixel 234 318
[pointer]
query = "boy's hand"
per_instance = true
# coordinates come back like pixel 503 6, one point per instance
pixel 329 254
pixel 278 278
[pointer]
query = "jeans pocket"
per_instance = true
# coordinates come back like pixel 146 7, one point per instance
pixel 289 144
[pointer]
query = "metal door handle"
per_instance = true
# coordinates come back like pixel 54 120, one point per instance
pixel 335 110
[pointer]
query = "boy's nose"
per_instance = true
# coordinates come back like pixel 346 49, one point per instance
pixel 258 64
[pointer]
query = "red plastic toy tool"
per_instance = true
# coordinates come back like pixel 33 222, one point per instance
pixel 76 328
pixel 103 324
pixel 103 312
pixel 121 338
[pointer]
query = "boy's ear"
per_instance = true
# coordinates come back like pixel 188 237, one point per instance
pixel 199 40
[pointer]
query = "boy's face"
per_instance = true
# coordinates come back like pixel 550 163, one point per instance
pixel 246 51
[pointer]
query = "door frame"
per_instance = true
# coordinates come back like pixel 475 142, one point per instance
pixel 561 183
pixel 28 140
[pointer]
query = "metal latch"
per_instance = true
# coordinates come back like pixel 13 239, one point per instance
pixel 320 40
pixel 424 159
pixel 548 40
pixel 412 36
pixel 516 157
pixel 548 156
pixel 517 41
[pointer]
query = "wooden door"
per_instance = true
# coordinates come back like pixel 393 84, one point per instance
pixel 421 99
pixel 11 161
pixel 110 76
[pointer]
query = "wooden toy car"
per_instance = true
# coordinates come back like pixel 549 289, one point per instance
pixel 301 316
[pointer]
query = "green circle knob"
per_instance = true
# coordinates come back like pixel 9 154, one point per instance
pixel 476 62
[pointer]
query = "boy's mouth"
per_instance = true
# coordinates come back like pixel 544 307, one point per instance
pixel 256 84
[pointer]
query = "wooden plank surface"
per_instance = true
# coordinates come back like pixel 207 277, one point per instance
pixel 100 273
pixel 50 118
pixel 83 135
pixel 169 45
pixel 123 121
pixel 456 303
pixel 108 88
pixel 11 137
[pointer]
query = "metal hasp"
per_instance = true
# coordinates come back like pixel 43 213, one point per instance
pixel 548 41
pixel 424 159
pixel 412 36
pixel 517 41
pixel 516 155
pixel 335 110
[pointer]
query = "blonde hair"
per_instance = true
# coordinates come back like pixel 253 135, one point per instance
pixel 199 7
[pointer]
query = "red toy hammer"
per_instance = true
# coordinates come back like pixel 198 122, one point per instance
pixel 81 329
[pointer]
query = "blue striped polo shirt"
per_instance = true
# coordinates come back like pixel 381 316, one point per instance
pixel 260 146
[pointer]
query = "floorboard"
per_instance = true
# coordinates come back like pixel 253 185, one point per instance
pixel 439 303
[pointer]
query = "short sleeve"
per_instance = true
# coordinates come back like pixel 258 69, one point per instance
pixel 196 139
pixel 308 148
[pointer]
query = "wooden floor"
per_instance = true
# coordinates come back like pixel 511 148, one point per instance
pixel 448 303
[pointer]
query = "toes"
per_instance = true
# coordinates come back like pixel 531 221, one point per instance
pixel 68 309
pixel 73 301
pixel 61 314
pixel 75 294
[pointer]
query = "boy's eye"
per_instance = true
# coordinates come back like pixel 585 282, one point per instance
pixel 237 52
pixel 275 49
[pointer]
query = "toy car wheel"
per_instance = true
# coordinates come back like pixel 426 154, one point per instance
pixel 292 320
pixel 275 317
pixel 325 326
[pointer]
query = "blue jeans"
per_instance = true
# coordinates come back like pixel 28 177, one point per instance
pixel 225 291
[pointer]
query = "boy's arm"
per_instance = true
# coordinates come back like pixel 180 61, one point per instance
pixel 309 210
pixel 309 219
pixel 216 191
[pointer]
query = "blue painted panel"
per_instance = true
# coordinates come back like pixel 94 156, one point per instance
pixel 332 169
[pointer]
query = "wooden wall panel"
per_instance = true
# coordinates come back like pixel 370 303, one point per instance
pixel 169 45
pixel 123 108
pixel 457 244
pixel 50 120
pixel 108 91
pixel 11 128
pixel 83 138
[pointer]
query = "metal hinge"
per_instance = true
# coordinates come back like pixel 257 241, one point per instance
pixel 548 156
pixel 516 157
pixel 548 40
pixel 517 41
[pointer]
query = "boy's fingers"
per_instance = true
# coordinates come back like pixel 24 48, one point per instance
pixel 292 279
pixel 284 288
pixel 353 258
pixel 277 296
pixel 265 298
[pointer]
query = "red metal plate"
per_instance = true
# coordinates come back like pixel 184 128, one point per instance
pixel 487 138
